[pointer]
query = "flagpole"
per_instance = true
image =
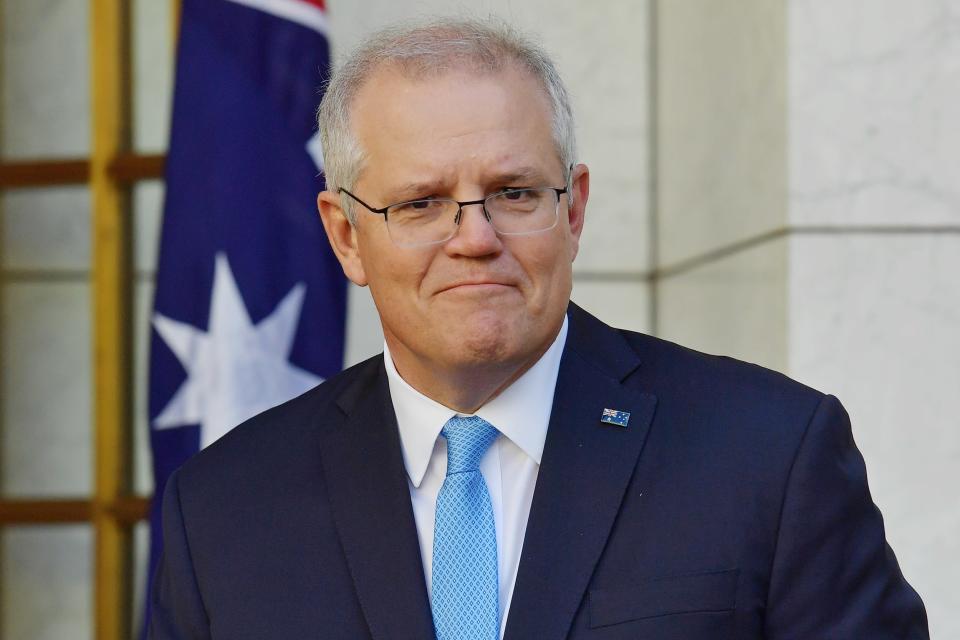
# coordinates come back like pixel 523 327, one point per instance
pixel 110 56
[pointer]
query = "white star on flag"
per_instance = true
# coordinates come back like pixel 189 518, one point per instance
pixel 235 370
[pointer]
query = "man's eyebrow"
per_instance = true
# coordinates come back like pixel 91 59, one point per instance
pixel 520 176
pixel 415 189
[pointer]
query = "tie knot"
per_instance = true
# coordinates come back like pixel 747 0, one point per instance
pixel 467 440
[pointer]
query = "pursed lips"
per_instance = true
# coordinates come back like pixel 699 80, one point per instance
pixel 477 285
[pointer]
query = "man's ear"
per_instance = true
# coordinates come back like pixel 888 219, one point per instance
pixel 578 195
pixel 342 236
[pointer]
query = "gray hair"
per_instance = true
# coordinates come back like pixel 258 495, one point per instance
pixel 431 49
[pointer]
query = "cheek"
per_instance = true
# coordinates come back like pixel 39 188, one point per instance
pixel 551 268
pixel 394 275
pixel 573 247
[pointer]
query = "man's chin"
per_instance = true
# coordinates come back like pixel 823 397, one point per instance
pixel 495 345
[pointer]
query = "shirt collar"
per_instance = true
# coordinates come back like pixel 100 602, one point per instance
pixel 521 412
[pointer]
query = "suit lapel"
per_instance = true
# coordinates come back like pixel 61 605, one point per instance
pixel 368 491
pixel 585 470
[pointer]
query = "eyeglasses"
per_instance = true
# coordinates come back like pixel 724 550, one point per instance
pixel 511 212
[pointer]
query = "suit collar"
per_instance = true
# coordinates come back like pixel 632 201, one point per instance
pixel 600 345
pixel 586 468
pixel 370 500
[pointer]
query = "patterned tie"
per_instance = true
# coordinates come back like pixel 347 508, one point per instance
pixel 465 582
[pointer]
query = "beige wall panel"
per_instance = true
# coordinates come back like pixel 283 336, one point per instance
pixel 45 354
pixel 140 438
pixel 147 217
pixel 153 64
pixel 47 583
pixel 720 94
pixel 735 306
pixel 364 335
pixel 875 320
pixel 46 229
pixel 141 558
pixel 623 304
pixel 874 98
pixel 45 93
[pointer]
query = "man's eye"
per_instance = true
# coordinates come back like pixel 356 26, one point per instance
pixel 515 194
pixel 425 205
pixel 421 206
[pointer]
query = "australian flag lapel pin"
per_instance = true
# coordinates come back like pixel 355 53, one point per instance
pixel 615 417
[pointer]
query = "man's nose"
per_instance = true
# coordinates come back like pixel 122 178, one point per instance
pixel 475 235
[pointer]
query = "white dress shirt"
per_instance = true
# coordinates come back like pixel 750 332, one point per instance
pixel 521 414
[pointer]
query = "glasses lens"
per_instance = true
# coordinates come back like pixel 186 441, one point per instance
pixel 422 221
pixel 520 211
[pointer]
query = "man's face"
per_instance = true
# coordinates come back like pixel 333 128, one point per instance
pixel 478 299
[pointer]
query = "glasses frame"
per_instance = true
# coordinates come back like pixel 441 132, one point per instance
pixel 460 205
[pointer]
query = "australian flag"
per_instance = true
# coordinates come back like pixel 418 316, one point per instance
pixel 250 301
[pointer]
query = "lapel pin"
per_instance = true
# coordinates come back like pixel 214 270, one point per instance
pixel 618 418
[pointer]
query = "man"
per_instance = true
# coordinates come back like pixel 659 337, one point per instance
pixel 510 466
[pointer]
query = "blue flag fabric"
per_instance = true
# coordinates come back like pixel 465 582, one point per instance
pixel 249 307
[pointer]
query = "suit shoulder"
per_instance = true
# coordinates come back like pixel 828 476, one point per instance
pixel 277 436
pixel 717 373
pixel 745 418
pixel 662 365
pixel 726 402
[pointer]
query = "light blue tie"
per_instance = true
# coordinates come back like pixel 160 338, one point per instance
pixel 465 582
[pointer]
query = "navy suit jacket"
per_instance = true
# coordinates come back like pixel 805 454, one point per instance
pixel 733 505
